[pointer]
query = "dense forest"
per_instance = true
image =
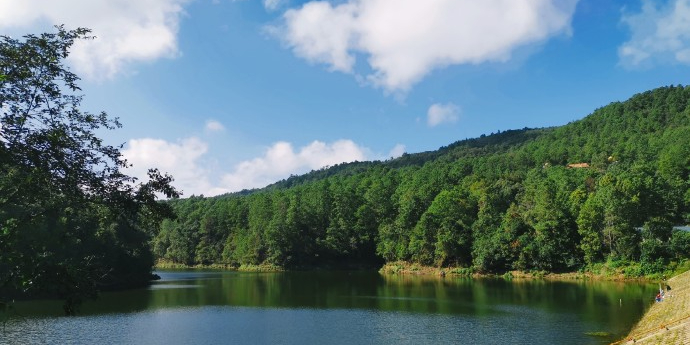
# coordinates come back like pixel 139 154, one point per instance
pixel 71 223
pixel 607 188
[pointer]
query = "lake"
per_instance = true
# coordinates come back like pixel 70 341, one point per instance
pixel 327 307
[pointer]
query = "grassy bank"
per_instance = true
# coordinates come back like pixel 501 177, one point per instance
pixel 666 322
pixel 600 272
pixel 243 268
pixel 610 271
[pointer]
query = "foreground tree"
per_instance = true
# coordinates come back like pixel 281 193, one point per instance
pixel 71 222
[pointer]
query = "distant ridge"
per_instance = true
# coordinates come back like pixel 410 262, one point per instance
pixel 605 189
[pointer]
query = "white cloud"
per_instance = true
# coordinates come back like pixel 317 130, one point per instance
pixel 442 113
pixel 187 161
pixel 659 34
pixel 272 5
pixel 397 151
pixel 127 30
pixel 214 126
pixel 321 33
pixel 281 160
pixel 182 160
pixel 405 40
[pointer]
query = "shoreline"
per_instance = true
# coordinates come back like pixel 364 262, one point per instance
pixel 166 265
pixel 406 268
pixel 666 322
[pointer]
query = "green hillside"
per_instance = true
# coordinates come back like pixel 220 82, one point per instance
pixel 499 202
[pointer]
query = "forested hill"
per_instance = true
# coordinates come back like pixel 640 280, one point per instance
pixel 482 146
pixel 607 187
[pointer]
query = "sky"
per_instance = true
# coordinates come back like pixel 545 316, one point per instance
pixel 228 95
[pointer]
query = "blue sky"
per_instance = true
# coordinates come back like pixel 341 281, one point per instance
pixel 226 95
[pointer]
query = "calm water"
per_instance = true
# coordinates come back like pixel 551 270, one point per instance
pixel 218 307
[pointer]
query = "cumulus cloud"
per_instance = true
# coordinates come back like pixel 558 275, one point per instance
pixel 404 40
pixel 214 126
pixel 442 113
pixel 281 160
pixel 182 160
pixel 321 33
pixel 186 160
pixel 127 30
pixel 397 151
pixel 659 34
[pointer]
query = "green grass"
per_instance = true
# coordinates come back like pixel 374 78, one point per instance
pixel 680 267
pixel 260 268
pixel 598 334
pixel 245 268
pixel 462 271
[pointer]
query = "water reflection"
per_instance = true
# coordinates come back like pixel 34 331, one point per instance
pixel 490 307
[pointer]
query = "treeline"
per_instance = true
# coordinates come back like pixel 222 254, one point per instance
pixel 499 202
pixel 71 223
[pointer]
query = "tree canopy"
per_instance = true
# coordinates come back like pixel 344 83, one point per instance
pixel 608 187
pixel 71 222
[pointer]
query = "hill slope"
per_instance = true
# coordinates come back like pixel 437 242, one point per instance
pixel 494 203
pixel 667 322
